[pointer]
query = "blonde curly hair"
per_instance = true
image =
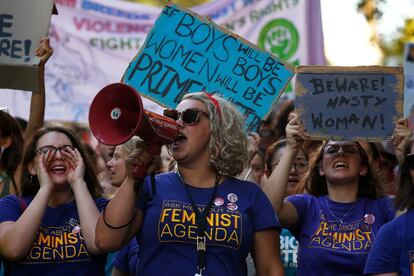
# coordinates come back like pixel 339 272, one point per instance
pixel 228 139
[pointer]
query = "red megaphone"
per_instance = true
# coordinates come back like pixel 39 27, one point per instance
pixel 117 113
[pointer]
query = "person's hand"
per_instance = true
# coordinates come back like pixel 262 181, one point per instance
pixel 138 161
pixel 253 140
pixel 44 51
pixel 41 163
pixel 295 133
pixel 401 136
pixel 76 170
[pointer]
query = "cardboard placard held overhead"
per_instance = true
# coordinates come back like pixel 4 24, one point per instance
pixel 186 53
pixel 22 24
pixel 349 103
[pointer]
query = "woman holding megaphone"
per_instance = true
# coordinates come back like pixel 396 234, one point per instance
pixel 200 219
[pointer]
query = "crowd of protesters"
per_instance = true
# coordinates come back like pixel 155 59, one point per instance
pixel 218 201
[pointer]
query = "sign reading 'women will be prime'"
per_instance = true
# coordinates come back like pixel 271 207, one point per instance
pixel 186 53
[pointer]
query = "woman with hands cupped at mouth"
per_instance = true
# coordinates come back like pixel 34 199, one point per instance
pixel 200 219
pixel 343 207
pixel 50 229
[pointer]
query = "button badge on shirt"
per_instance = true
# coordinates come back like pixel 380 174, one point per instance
pixel 232 206
pixel 232 197
pixel 218 201
pixel 369 219
pixel 76 229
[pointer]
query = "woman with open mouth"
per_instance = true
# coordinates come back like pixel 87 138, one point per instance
pixel 50 229
pixel 338 217
pixel 200 219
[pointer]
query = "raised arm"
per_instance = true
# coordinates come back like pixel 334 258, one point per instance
pixel 121 220
pixel 87 210
pixel 266 253
pixel 400 138
pixel 275 186
pixel 38 99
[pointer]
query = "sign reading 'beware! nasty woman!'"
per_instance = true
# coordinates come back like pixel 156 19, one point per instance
pixel 349 103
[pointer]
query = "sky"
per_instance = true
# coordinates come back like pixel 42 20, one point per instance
pixel 346 32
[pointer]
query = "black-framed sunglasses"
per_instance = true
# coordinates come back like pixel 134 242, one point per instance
pixel 347 149
pixel 409 159
pixel 45 149
pixel 189 116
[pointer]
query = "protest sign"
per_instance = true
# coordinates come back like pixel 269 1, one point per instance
pixel 94 41
pixel 186 53
pixel 349 103
pixel 22 24
pixel 409 83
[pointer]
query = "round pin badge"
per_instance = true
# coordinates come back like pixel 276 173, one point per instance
pixel 369 219
pixel 76 229
pixel 218 201
pixel 232 206
pixel 232 197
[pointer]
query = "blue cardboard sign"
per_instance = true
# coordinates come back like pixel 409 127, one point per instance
pixel 349 103
pixel 186 53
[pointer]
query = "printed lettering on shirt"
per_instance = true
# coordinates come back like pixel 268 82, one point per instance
pixel 289 251
pixel 177 223
pixel 58 245
pixel 354 237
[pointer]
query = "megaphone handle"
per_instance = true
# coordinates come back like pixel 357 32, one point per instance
pixel 139 171
pixel 154 149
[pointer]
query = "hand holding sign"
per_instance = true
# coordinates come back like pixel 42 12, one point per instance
pixel 44 51
pixel 295 133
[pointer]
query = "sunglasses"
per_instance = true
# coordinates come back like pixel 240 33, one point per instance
pixel 346 149
pixel 44 150
pixel 409 159
pixel 189 116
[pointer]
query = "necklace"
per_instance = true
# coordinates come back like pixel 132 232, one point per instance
pixel 344 216
pixel 201 221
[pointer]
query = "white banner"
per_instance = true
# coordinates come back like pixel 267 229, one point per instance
pixel 94 41
pixel 409 83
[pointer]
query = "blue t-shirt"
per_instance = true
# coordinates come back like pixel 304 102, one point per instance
pixel 289 252
pixel 58 247
pixel 167 241
pixel 126 259
pixel 329 247
pixel 393 250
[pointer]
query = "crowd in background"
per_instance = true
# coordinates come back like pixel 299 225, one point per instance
pixel 69 206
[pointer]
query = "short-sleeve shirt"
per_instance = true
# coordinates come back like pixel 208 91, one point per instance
pixel 126 259
pixel 328 246
pixel 167 241
pixel 58 247
pixel 393 250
